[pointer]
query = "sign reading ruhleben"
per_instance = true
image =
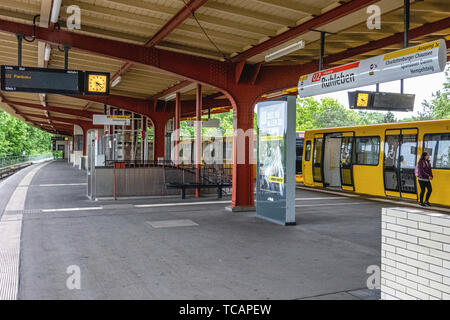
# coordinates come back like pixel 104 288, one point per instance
pixel 411 62
pixel 100 119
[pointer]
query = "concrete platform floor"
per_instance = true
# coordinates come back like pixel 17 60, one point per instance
pixel 223 255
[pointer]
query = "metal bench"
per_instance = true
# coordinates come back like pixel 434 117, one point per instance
pixel 185 178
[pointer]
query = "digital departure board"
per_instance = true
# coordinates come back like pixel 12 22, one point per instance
pixel 382 101
pixel 41 80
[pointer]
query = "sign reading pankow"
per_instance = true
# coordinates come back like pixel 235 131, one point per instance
pixel 411 62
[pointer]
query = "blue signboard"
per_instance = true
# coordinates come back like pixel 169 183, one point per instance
pixel 275 180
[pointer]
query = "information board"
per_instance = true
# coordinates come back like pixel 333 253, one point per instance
pixel 406 63
pixel 41 80
pixel 275 182
pixel 387 101
pixel 112 120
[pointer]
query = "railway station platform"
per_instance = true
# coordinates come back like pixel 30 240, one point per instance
pixel 192 249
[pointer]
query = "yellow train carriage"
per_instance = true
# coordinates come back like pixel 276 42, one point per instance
pixel 379 159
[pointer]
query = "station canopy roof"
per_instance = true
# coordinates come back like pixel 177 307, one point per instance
pixel 226 30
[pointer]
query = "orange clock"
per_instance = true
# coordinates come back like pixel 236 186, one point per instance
pixel 96 83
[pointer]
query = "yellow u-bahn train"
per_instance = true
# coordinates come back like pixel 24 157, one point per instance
pixel 379 160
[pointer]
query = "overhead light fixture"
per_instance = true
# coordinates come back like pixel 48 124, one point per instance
pixel 171 97
pixel 284 51
pixel 116 81
pixel 274 94
pixel 47 52
pixel 55 11
pixel 42 97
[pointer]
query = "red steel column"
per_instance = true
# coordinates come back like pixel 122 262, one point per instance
pixel 159 136
pixel 177 127
pixel 243 162
pixel 85 130
pixel 198 136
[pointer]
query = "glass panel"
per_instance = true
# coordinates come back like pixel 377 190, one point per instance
pixel 408 152
pixel 346 161
pixel 391 150
pixel 367 151
pixel 299 156
pixel 438 147
pixel 317 159
pixel 391 153
pixel 443 154
pixel 308 151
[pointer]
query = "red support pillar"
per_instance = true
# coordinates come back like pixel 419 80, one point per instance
pixel 85 142
pixel 177 127
pixel 159 137
pixel 198 136
pixel 243 162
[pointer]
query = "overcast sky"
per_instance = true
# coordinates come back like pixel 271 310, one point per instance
pixel 423 87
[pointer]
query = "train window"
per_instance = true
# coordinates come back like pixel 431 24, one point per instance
pixel 367 151
pixel 308 151
pixel 438 146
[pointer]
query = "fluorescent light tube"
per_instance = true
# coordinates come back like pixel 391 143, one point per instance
pixel 284 51
pixel 55 11
pixel 116 81
pixel 171 97
pixel 47 52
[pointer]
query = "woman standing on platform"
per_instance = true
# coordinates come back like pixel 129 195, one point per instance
pixel 424 175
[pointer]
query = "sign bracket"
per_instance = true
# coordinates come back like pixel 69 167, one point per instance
pixel 406 21
pixel 322 46
pixel 19 49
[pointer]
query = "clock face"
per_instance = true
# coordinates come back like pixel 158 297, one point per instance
pixel 97 83
pixel 363 100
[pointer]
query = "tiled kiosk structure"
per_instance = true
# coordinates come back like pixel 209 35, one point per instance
pixel 415 255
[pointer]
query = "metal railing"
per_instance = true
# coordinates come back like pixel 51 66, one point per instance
pixel 137 178
pixel 12 160
pixel 10 165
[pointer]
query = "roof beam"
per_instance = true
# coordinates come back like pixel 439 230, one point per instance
pixel 171 90
pixel 283 77
pixel 175 21
pixel 327 17
pixel 184 65
pixel 66 120
pixel 73 112
pixel 163 32
pixel 292 6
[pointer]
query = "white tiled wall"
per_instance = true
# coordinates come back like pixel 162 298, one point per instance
pixel 415 255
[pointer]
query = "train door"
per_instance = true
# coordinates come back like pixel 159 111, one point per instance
pixel 332 160
pixel 346 161
pixel 318 159
pixel 400 155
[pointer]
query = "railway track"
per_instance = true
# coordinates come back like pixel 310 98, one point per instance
pixel 11 169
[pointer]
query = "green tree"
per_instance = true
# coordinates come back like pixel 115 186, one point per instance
pixel 17 137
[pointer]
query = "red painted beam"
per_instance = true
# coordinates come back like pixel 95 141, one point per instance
pixel 124 68
pixel 81 123
pixel 74 112
pixel 316 22
pixel 172 89
pixel 186 12
pixel 275 78
pixel 199 69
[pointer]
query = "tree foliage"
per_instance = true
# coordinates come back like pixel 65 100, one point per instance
pixel 329 113
pixel 17 137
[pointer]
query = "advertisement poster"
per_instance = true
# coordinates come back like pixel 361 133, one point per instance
pixel 276 161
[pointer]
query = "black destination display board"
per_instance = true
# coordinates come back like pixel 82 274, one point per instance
pixel 41 80
pixel 382 101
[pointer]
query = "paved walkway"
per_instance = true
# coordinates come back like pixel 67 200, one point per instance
pixel 164 249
